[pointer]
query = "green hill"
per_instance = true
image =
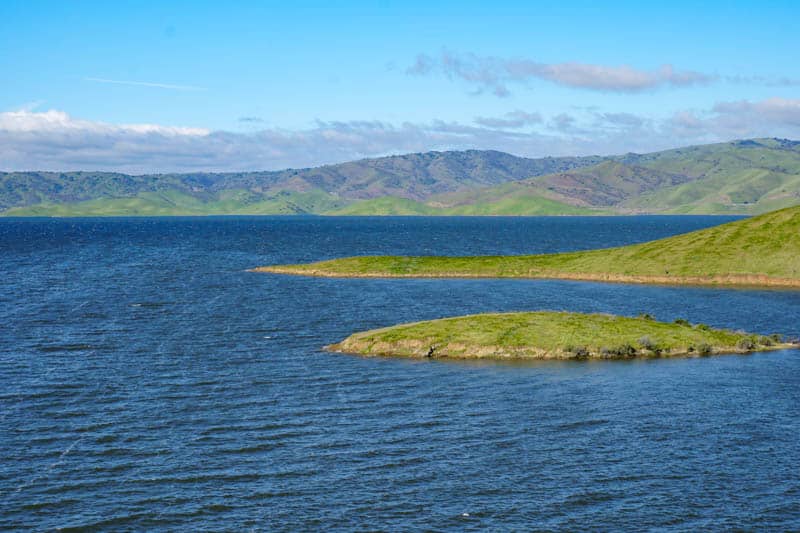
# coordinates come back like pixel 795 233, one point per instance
pixel 753 176
pixel 608 183
pixel 740 177
pixel 551 335
pixel 172 202
pixel 410 176
pixel 387 205
pixel 515 205
pixel 762 250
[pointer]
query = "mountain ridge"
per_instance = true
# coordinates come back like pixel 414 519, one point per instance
pixel 744 176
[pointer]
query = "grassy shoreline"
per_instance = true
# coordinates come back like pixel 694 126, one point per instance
pixel 552 335
pixel 747 280
pixel 758 251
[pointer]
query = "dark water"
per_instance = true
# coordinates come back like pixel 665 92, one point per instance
pixel 148 382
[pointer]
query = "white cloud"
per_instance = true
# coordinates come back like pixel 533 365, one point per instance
pixel 492 73
pixel 563 122
pixel 772 117
pixel 53 140
pixel 772 110
pixel 622 119
pixel 511 120
pixel 58 121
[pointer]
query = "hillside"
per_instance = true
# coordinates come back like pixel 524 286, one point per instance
pixel 411 176
pixel 173 202
pixel 608 183
pixel 551 335
pixel 751 176
pixel 516 205
pixel 757 251
pixel 740 177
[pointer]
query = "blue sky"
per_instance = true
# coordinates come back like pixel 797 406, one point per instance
pixel 163 86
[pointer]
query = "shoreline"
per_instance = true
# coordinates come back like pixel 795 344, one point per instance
pixel 752 252
pixel 554 336
pixel 730 280
pixel 543 355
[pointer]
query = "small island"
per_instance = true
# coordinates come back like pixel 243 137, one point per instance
pixel 758 251
pixel 553 335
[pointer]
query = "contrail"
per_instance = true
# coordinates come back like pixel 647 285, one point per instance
pixel 149 84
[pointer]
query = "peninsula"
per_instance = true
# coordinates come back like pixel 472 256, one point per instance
pixel 552 335
pixel 758 251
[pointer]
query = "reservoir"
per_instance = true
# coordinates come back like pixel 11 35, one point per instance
pixel 148 381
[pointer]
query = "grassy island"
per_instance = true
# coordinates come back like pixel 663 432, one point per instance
pixel 552 335
pixel 762 250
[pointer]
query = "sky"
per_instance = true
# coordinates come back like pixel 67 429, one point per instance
pixel 146 87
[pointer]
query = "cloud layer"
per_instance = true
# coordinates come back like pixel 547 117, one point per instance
pixel 494 74
pixel 53 140
pixel 511 120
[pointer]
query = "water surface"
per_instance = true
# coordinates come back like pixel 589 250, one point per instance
pixel 147 381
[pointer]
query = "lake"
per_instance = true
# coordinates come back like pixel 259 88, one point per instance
pixel 147 381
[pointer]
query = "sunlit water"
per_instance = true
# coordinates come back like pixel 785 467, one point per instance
pixel 148 381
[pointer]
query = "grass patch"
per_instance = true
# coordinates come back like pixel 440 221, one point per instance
pixel 549 335
pixel 172 202
pixel 757 251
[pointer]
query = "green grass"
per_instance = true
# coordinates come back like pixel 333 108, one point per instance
pixel 762 250
pixel 549 335
pixel 511 205
pixel 387 205
pixel 520 206
pixel 172 202
pixel 241 202
pixel 747 178
pixel 724 178
pixel 741 177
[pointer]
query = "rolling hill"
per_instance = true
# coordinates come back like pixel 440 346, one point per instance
pixel 739 177
pixel 743 177
pixel 411 176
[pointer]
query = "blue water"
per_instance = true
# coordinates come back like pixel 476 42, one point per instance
pixel 147 381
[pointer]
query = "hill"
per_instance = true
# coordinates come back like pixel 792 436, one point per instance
pixel 515 205
pixel 551 335
pixel 740 177
pixel 411 176
pixel 751 176
pixel 757 251
pixel 173 202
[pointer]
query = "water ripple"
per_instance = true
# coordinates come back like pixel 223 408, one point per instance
pixel 150 382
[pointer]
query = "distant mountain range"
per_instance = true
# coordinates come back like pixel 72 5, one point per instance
pixel 747 177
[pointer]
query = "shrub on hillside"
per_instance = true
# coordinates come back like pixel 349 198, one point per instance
pixel 746 343
pixel 705 349
pixel 622 351
pixel 650 345
pixel 579 352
